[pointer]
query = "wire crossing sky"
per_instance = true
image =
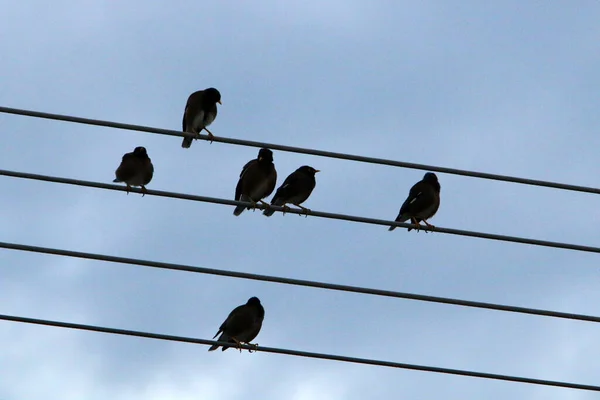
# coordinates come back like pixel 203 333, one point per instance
pixel 298 353
pixel 350 157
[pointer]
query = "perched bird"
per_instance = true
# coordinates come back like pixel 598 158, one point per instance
pixel 242 325
pixel 422 203
pixel 257 180
pixel 136 169
pixel 200 112
pixel 295 189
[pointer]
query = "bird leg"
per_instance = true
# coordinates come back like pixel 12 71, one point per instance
pixel 238 344
pixel 211 137
pixel 253 206
pixel 285 209
pixel 429 225
pixel 144 190
pixel 254 347
pixel 264 203
pixel 418 226
pixel 304 209
pixel 128 188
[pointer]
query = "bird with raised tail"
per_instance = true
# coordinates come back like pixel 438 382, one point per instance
pixel 136 169
pixel 200 112
pixel 242 325
pixel 422 202
pixel 295 190
pixel 257 181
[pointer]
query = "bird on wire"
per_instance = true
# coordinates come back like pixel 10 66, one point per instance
pixel 422 202
pixel 200 112
pixel 136 169
pixel 295 190
pixel 257 181
pixel 242 325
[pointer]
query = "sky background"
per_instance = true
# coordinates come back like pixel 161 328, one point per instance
pixel 510 87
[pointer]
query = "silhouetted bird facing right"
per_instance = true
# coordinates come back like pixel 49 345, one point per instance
pixel 242 325
pixel 295 190
pixel 422 203
pixel 200 112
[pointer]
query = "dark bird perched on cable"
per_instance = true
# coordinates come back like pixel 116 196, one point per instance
pixel 242 325
pixel 422 203
pixel 257 181
pixel 136 169
pixel 295 189
pixel 200 112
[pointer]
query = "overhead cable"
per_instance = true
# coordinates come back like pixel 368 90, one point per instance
pixel 343 217
pixel 300 150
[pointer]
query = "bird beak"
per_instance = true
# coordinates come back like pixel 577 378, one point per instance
pixel 219 102
pixel 317 170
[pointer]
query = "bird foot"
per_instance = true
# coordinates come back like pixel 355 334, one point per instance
pixel 431 227
pixel 417 225
pixel 128 189
pixel 144 190
pixel 238 344
pixel 305 210
pixel 254 347
pixel 285 209
pixel 211 137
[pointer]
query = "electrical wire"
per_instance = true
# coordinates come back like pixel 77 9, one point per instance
pixel 300 150
pixel 306 354
pixel 343 217
pixel 298 282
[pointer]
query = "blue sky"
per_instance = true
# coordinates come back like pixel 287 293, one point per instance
pixel 510 88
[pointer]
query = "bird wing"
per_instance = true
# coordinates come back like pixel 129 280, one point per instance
pixel 128 167
pixel 239 320
pixel 240 185
pixel 288 188
pixel 419 198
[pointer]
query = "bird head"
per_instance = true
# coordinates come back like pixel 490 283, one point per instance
pixel 213 95
pixel 308 170
pixel 140 151
pixel 265 155
pixel 253 301
pixel 430 177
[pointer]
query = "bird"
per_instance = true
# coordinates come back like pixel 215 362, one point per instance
pixel 242 325
pixel 136 169
pixel 296 188
pixel 257 181
pixel 422 202
pixel 200 112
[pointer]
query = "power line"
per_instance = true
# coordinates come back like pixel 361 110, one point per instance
pixel 298 353
pixel 343 217
pixel 330 154
pixel 298 282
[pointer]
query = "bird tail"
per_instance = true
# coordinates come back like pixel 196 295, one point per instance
pixel 187 142
pixel 117 180
pixel 240 209
pixel 222 338
pixel 399 218
pixel 275 202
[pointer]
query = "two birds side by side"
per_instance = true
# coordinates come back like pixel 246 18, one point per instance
pixel 259 177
